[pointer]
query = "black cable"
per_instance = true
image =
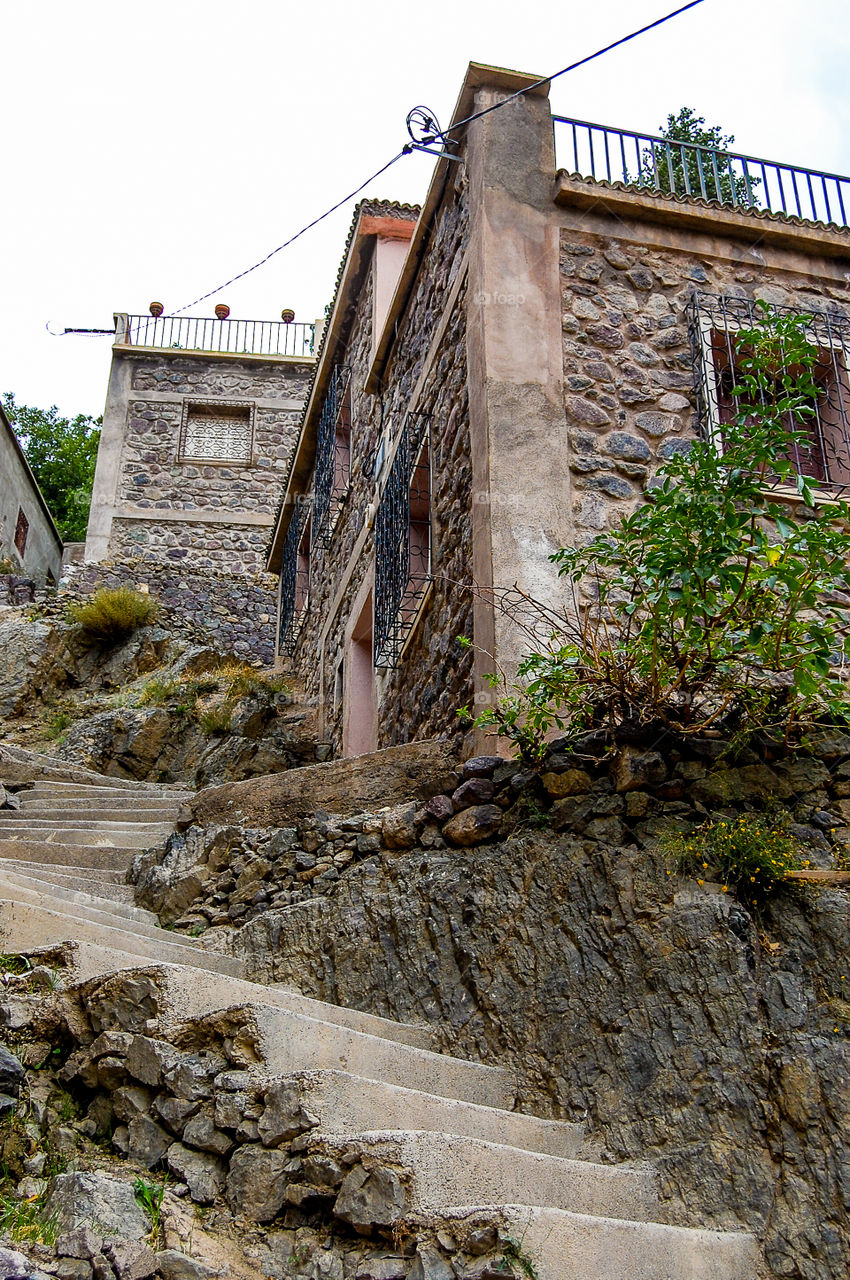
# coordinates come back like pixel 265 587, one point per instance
pixel 444 136
pixel 572 67
pixel 291 239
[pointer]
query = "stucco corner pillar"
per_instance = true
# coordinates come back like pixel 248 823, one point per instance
pixel 521 477
pixel 109 453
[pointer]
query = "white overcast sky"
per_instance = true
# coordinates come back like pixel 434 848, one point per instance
pixel 154 149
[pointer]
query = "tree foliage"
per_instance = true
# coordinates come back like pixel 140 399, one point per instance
pixel 62 453
pixel 720 603
pixel 681 169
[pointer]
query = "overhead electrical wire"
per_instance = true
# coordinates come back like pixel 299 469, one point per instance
pixel 443 136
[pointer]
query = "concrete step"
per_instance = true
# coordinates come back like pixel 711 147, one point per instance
pixel 213 991
pixel 446 1169
pixel 101 835
pixel 76 811
pixel 286 1041
pixel 349 1104
pixel 115 878
pixel 97 856
pixel 116 793
pixel 25 927
pixel 82 907
pixel 560 1244
pixel 49 893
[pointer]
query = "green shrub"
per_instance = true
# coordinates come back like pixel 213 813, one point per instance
pixel 751 854
pixel 713 606
pixel 26 1221
pixel 113 612
pixel 217 718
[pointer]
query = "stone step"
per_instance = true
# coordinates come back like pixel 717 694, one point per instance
pixel 349 1104
pixel 287 1041
pixel 50 893
pixel 108 786
pixel 76 811
pixel 101 835
pixel 114 878
pixel 25 927
pixel 446 1169
pixel 214 991
pixel 108 857
pixel 560 1244
pixel 82 907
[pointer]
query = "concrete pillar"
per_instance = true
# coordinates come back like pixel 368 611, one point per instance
pixel 108 469
pixel 521 477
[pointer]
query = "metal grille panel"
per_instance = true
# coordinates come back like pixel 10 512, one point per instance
pixel 714 323
pixel 402 541
pixel 289 616
pixel 332 461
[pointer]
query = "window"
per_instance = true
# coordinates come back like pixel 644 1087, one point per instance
pixel 22 528
pixel 294 578
pixel 216 431
pixel 403 542
pixel 715 323
pixel 333 453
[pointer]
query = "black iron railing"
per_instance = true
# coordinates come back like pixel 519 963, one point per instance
pixel 333 452
pixel 293 586
pixel 402 541
pixel 205 333
pixel 714 323
pixel 657 164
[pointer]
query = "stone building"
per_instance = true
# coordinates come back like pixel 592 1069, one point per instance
pixel 200 423
pixel 563 319
pixel 29 540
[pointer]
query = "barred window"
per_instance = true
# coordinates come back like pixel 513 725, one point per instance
pixel 22 528
pixel 294 578
pixel 333 453
pixel 715 323
pixel 403 542
pixel 216 431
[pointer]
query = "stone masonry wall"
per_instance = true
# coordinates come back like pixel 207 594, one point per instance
pixel 152 476
pixel 409 703
pixel 236 613
pixel 628 364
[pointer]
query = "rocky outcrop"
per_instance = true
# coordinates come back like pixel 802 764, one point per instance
pixel 416 771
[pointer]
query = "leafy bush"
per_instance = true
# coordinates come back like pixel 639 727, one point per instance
pixel 710 607
pixel 752 854
pixel 112 613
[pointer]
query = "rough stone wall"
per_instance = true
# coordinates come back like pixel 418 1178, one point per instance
pixel 628 365
pixel 433 680
pixel 153 476
pixel 657 1009
pixel 236 613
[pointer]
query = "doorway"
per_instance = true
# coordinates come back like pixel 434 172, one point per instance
pixel 359 722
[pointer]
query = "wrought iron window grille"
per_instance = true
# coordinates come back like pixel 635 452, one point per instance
pixel 714 323
pixel 403 550
pixel 294 577
pixel 333 454
pixel 217 431
pixel 688 170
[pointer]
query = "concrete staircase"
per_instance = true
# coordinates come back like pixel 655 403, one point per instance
pixel 448 1123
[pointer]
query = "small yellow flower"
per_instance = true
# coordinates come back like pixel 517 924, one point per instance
pixel 725 889
pixel 700 882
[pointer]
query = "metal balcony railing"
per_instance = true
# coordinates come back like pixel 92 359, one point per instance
pixel 652 163
pixel 206 333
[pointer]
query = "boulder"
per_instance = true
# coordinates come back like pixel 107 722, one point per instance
pixel 399 827
pixel 79 1243
pixel 11 1072
pixel 174 1265
pixel 481 766
pixel 204 1174
pixel 256 1183
pixel 14 1266
pixel 571 782
pixel 412 772
pixel 473 791
pixel 370 1198
pixel 636 770
pixel 471 826
pixel 284 1118
pixel 131 1259
pixel 105 1204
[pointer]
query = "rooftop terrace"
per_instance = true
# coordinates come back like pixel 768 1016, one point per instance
pixel 211 334
pixel 648 162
